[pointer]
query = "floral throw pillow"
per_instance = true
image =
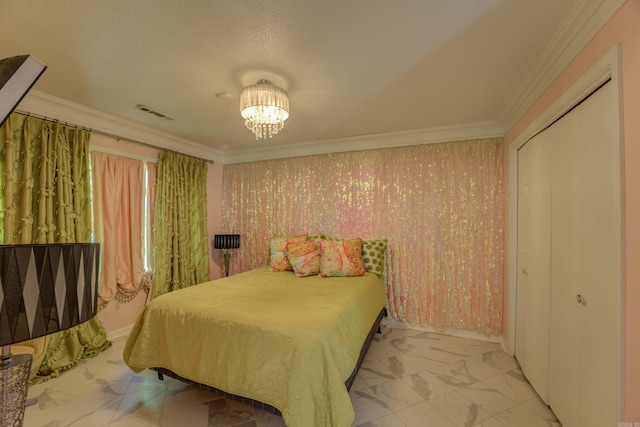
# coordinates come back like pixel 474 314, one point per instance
pixel 277 249
pixel 304 258
pixel 341 258
pixel 373 255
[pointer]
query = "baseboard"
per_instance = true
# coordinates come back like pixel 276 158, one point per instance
pixel 505 347
pixel 452 332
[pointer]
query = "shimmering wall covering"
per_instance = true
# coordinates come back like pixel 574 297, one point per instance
pixel 441 206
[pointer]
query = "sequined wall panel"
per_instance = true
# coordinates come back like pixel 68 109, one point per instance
pixel 441 206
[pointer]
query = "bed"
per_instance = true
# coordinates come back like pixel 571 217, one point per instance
pixel 292 343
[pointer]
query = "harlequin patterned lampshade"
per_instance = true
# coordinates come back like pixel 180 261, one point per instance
pixel 45 288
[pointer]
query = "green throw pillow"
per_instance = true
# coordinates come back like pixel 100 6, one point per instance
pixel 373 255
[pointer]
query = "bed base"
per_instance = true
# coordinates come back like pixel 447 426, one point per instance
pixel 265 406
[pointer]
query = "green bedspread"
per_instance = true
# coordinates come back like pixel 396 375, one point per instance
pixel 286 341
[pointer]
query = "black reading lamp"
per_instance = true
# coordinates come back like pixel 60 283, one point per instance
pixel 226 242
pixel 44 288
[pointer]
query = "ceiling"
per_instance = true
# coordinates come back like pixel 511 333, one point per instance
pixel 358 72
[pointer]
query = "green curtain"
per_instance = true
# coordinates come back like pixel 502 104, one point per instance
pixel 45 195
pixel 181 248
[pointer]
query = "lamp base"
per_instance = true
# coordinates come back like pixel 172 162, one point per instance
pixel 14 386
pixel 226 255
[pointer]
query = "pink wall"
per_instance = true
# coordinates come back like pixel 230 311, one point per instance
pixel 623 28
pixel 117 316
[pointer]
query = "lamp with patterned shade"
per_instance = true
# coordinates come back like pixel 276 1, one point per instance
pixel 44 288
pixel 226 242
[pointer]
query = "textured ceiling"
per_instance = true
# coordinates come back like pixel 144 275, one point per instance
pixel 352 68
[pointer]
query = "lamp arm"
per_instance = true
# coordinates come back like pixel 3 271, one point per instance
pixel 226 255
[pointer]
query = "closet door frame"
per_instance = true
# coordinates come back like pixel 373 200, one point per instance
pixel 606 69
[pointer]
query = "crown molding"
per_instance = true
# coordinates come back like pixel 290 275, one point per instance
pixel 582 24
pixel 44 105
pixel 487 129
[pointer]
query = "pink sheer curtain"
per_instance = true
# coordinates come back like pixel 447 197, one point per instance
pixel 152 171
pixel 152 177
pixel 118 185
pixel 441 206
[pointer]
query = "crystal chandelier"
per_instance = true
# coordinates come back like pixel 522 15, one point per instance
pixel 264 107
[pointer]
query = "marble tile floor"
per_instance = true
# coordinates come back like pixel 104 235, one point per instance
pixel 409 379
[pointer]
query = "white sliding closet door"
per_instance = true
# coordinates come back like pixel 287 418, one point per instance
pixel 602 263
pixel 569 281
pixel 586 270
pixel 566 275
pixel 534 262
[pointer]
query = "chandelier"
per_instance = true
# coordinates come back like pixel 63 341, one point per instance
pixel 264 107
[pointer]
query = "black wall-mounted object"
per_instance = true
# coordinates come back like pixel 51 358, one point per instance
pixel 17 75
pixel 226 242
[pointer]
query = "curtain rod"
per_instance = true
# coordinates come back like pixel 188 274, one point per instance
pixel 117 137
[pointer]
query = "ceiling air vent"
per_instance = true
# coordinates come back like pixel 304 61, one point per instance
pixel 149 110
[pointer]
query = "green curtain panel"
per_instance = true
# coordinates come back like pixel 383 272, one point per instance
pixel 181 248
pixel 45 195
